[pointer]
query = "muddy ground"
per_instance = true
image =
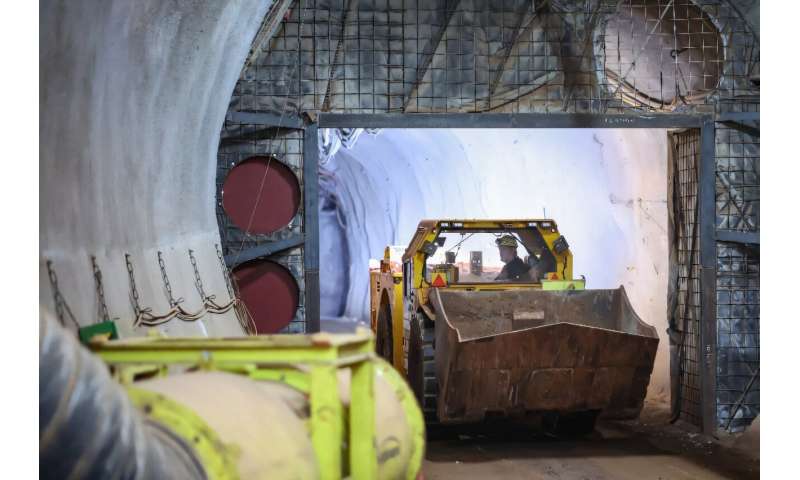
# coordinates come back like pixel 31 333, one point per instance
pixel 650 448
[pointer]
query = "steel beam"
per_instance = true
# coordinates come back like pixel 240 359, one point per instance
pixel 507 49
pixel 750 128
pixel 738 117
pixel 748 122
pixel 507 120
pixel 266 118
pixel 232 260
pixel 267 30
pixel 311 226
pixel 337 56
pixel 450 7
pixel 707 212
pixel 750 238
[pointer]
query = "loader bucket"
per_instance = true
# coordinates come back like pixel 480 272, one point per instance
pixel 521 352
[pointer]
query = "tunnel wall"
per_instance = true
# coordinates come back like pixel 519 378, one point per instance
pixel 132 97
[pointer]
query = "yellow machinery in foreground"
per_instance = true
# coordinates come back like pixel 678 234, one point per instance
pixel 541 347
pixel 298 406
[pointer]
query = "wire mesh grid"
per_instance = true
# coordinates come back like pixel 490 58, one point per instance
pixel 240 142
pixel 687 145
pixel 738 337
pixel 596 56
pixel 738 170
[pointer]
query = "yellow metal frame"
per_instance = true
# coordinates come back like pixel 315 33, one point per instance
pixel 555 285
pixel 428 230
pixel 308 363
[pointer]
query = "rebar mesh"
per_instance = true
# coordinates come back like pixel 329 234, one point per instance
pixel 598 56
pixel 686 157
pixel 738 178
pixel 738 337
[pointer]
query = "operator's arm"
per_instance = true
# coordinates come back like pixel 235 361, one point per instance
pixel 503 275
pixel 518 271
pixel 525 277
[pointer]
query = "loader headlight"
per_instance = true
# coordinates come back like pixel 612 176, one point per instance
pixel 560 245
pixel 428 248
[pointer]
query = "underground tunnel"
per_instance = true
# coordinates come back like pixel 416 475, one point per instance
pixel 219 182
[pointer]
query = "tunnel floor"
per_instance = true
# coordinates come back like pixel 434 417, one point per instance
pixel 649 448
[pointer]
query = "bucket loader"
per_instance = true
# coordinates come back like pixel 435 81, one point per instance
pixel 485 320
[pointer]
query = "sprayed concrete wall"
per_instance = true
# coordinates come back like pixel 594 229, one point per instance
pixel 606 188
pixel 132 98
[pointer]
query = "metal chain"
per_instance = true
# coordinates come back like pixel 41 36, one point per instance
pixel 162 266
pixel 62 309
pixel 132 280
pixel 239 308
pixel 98 285
pixel 198 280
pixel 225 271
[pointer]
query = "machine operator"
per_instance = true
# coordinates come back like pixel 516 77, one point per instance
pixel 515 269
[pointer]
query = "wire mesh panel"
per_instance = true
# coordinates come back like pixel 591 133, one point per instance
pixel 600 56
pixel 738 298
pixel 687 314
pixel 239 143
pixel 738 178
pixel 738 338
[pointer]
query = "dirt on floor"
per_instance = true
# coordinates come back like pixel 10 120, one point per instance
pixel 648 448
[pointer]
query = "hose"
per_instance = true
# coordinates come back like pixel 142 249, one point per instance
pixel 87 425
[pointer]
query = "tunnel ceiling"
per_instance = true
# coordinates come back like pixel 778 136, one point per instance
pixel 509 55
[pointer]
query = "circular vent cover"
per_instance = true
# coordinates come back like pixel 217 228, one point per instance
pixel 261 195
pixel 270 293
pixel 659 53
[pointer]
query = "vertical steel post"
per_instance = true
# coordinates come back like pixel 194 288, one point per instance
pixel 311 226
pixel 707 222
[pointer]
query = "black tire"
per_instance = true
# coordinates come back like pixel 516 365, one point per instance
pixel 422 367
pixel 384 344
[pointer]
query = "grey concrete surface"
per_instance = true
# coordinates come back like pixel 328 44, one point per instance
pixel 132 98
pixel 646 449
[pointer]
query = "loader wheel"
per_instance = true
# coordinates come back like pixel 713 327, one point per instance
pixel 422 367
pixel 384 343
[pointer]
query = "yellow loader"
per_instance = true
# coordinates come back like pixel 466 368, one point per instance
pixel 476 342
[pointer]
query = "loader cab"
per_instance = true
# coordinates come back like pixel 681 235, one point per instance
pixel 465 253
